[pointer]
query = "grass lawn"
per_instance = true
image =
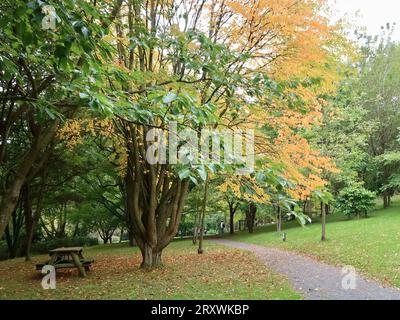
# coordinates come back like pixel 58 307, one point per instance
pixel 371 245
pixel 220 273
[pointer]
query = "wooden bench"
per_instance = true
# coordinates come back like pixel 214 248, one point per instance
pixel 86 263
pixel 68 258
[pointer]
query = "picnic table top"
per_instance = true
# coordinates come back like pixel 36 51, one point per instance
pixel 67 249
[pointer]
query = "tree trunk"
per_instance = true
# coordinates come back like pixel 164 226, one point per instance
pixel 76 230
pixel 129 223
pixel 386 200
pixel 151 258
pixel 231 222
pixel 35 216
pixel 203 214
pixel 155 199
pixel 10 198
pixel 111 236
pixel 323 222
pixel 197 220
pixel 29 224
pixel 131 239
pixel 13 231
pixel 157 259
pixel 279 219
pixel 195 232
pixel 10 241
pixel 250 217
pixel 232 211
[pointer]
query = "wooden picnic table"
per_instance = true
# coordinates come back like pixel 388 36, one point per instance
pixel 68 257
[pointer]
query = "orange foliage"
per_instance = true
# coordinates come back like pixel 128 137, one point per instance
pixel 289 40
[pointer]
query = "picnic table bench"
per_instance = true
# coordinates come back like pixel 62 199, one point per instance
pixel 68 258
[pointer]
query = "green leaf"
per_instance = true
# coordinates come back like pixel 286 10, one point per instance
pixel 169 97
pixel 184 173
pixel 202 172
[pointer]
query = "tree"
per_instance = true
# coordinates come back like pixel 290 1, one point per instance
pixel 361 124
pixel 202 216
pixel 233 205
pixel 251 211
pixel 188 66
pixel 120 69
pixel 324 198
pixel 41 85
pixel 355 200
pixel 380 99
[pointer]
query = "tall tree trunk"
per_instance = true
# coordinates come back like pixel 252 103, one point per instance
pixel 232 210
pixel 29 223
pixel 232 222
pixel 35 216
pixel 10 198
pixel 279 219
pixel 197 221
pixel 323 222
pixel 385 202
pixel 250 217
pixel 203 214
pixel 13 230
pixel 129 223
pixel 131 239
pixel 196 229
pixel 10 241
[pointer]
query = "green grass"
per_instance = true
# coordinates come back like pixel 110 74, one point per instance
pixel 371 245
pixel 220 273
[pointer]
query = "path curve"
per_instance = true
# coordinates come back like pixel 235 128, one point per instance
pixel 313 279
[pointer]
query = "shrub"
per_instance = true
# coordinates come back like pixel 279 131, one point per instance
pixel 186 229
pixel 355 200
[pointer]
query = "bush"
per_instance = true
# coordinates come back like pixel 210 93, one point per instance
pixel 50 244
pixel 355 200
pixel 186 229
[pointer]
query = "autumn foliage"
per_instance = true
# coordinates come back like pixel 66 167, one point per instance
pixel 131 66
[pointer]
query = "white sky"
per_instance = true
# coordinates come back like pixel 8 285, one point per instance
pixel 371 13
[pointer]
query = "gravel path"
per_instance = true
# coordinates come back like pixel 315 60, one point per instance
pixel 313 279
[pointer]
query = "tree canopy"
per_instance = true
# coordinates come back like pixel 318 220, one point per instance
pixel 82 90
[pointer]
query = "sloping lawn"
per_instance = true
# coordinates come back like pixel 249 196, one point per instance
pixel 371 245
pixel 220 273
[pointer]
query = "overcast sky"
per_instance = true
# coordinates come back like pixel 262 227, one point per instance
pixel 372 13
